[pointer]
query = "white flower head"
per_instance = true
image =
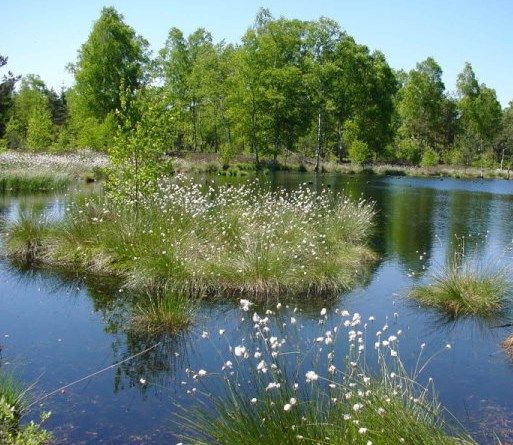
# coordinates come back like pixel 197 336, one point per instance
pixel 245 304
pixel 311 376
pixel 239 351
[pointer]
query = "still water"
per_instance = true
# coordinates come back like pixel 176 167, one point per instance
pixel 57 329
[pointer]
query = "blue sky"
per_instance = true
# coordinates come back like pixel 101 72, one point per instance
pixel 42 36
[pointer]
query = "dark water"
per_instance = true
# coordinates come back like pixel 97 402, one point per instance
pixel 58 329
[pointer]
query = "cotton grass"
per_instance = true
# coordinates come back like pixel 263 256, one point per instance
pixel 281 391
pixel 197 240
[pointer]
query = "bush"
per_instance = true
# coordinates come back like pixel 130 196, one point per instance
pixel 410 150
pixel 359 152
pixel 39 129
pixel 430 158
pixel 227 153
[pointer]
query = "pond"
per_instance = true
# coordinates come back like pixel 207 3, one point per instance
pixel 56 329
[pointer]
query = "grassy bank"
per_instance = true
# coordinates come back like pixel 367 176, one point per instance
pixel 242 165
pixel 13 402
pixel 31 172
pixel 211 241
pixel 466 290
pixel 15 181
pixel 278 392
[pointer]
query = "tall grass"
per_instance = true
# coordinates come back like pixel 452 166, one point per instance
pixel 216 240
pixel 318 396
pixel 162 313
pixel 466 290
pixel 42 172
pixel 15 181
pixel 13 405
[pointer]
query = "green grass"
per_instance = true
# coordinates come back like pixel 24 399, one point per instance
pixel 166 313
pixel 467 290
pixel 31 181
pixel 12 393
pixel 236 421
pixel 367 398
pixel 13 405
pixel 228 240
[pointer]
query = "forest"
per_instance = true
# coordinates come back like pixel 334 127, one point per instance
pixel 288 87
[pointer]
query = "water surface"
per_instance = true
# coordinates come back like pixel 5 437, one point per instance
pixel 57 329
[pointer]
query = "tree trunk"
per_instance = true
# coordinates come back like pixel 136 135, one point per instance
pixel 194 128
pixel 318 151
pixel 254 145
pixel 339 141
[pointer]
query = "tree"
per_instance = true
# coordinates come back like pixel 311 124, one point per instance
pixel 39 129
pixel 113 55
pixel 505 139
pixel 138 147
pixel 195 72
pixel 363 92
pixel 322 38
pixel 29 102
pixel 278 45
pixel 426 114
pixel 6 95
pixel 480 114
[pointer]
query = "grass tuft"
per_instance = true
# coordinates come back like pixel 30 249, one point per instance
pixel 13 404
pixel 30 181
pixel 466 290
pixel 277 392
pixel 168 313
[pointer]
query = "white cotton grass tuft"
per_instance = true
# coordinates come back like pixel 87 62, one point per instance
pixel 339 396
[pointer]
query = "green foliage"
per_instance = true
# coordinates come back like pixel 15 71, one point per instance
pixel 12 407
pixel 228 151
pixel 138 148
pixel 14 133
pixel 39 129
pixel 7 85
pixel 113 54
pixel 291 87
pixel 505 138
pixel 422 108
pixel 31 125
pixel 481 115
pixel 430 158
pixel 410 150
pixel 359 152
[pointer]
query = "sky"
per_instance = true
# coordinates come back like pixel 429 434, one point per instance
pixel 43 36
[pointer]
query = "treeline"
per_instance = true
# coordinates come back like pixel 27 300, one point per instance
pixel 289 86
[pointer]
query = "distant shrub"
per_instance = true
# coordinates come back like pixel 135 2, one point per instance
pixel 410 150
pixel 430 158
pixel 227 153
pixel 359 152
